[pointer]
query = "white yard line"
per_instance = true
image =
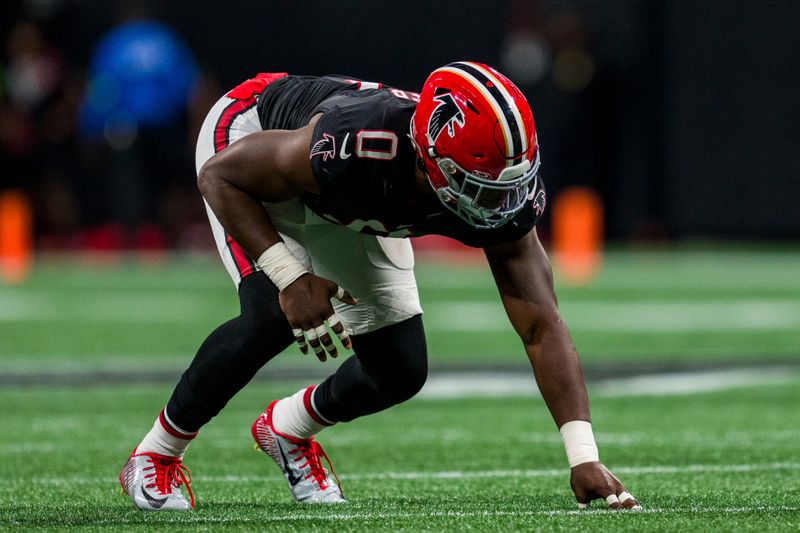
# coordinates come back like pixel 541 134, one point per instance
pixel 78 363
pixel 647 315
pixel 108 306
pixel 684 383
pixel 493 384
pixel 631 470
pixel 498 385
pixel 370 516
pixel 629 316
pixel 461 474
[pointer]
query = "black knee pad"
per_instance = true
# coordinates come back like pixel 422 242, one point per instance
pixel 389 367
pixel 395 358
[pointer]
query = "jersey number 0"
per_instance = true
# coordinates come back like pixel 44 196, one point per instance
pixel 376 144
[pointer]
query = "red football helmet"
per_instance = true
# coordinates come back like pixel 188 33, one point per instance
pixel 476 140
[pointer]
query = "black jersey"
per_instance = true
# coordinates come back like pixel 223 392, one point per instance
pixel 363 161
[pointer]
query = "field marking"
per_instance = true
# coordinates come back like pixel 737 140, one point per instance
pixel 78 363
pixel 750 314
pixel 555 512
pixel 488 514
pixel 643 315
pixel 140 307
pixel 369 516
pixel 497 385
pixel 455 474
pixel 493 384
pixel 550 438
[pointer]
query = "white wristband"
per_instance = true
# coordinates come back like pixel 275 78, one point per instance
pixel 579 442
pixel 280 265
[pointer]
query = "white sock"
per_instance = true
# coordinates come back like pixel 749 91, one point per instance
pixel 166 438
pixel 296 416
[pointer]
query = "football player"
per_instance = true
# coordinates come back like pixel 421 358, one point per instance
pixel 310 183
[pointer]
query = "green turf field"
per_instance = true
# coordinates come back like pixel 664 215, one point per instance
pixel 690 306
pixel 698 458
pixel 717 461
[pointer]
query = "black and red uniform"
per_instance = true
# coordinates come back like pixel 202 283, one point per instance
pixel 364 162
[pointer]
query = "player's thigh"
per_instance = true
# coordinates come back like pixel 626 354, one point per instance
pixel 377 271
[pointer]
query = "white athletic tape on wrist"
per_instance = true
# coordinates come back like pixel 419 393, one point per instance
pixel 579 442
pixel 280 265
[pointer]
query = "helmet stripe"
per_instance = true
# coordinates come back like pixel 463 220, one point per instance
pixel 514 108
pixel 493 103
pixel 505 104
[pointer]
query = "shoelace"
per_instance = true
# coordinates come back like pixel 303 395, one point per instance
pixel 169 471
pixel 312 451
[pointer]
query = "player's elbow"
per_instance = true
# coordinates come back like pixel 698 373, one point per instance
pixel 544 321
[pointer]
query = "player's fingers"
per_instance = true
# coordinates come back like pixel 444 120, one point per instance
pixel 300 339
pixel 316 346
pixel 613 501
pixel 628 501
pixel 327 342
pixel 344 296
pixel 337 326
pixel 324 341
pixel 582 505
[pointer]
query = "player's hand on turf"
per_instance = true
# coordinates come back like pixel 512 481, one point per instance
pixel 592 481
pixel 306 302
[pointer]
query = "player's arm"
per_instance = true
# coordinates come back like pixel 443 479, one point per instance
pixel 273 166
pixel 267 166
pixel 525 282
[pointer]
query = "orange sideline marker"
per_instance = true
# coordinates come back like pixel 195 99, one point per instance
pixel 16 236
pixel 578 234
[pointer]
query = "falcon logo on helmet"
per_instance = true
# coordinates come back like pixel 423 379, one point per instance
pixel 446 115
pixel 485 170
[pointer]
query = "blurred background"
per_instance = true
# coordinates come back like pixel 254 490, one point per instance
pixel 670 141
pixel 675 122
pixel 682 116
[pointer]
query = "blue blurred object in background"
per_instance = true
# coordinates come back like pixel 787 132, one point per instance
pixel 142 74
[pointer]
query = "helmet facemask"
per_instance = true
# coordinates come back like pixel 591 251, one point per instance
pixel 484 202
